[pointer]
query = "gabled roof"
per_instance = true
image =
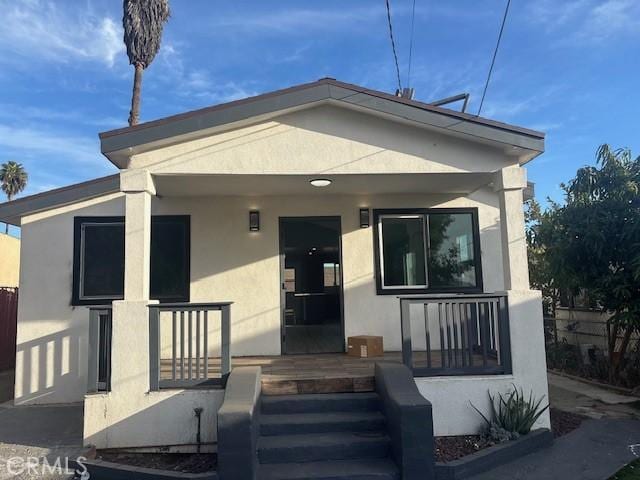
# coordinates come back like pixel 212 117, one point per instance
pixel 119 145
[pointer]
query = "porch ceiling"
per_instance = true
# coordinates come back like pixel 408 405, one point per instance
pixel 351 184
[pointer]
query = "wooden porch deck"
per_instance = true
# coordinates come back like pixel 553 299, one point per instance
pixel 316 373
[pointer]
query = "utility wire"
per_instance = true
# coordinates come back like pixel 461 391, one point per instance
pixel 495 53
pixel 413 17
pixel 393 45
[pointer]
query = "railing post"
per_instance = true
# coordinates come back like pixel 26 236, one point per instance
pixel 505 334
pixel 225 350
pixel 154 348
pixel 405 326
pixel 94 350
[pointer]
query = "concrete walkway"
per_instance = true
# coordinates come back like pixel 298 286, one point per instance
pixel 595 451
pixel 38 432
pixel 590 400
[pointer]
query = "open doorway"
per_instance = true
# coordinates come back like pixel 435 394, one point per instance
pixel 311 282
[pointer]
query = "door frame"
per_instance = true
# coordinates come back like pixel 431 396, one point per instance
pixel 283 299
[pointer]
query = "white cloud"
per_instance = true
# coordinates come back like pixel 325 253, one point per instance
pixel 591 21
pixel 305 20
pixel 36 30
pixel 11 111
pixel 45 145
pixel 196 83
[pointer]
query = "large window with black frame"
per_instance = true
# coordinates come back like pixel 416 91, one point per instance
pixel 98 267
pixel 427 250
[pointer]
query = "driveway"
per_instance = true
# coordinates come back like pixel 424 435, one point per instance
pixel 38 432
pixel 596 450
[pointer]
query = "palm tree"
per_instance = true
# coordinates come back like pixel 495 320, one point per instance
pixel 143 21
pixel 13 180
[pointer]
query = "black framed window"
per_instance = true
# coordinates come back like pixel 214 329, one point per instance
pixel 427 251
pixel 98 266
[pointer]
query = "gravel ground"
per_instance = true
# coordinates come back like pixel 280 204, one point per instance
pixel 31 435
pixel 564 422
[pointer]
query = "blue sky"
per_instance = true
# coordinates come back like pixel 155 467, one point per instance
pixel 569 68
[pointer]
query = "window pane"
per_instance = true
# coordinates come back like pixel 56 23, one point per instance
pixel 169 259
pixel 403 251
pixel 451 252
pixel 103 260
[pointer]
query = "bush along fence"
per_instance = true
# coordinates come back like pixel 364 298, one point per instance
pixel 577 342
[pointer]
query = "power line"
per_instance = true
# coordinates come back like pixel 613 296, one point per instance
pixel 393 45
pixel 413 17
pixel 495 53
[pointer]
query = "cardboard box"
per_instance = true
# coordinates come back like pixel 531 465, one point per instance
pixel 365 346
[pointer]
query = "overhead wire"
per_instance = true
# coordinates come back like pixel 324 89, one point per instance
pixel 393 45
pixel 495 54
pixel 413 18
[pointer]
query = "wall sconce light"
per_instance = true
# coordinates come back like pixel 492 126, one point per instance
pixel 364 218
pixel 254 221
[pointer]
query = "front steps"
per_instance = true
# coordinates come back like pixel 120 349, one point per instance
pixel 324 436
pixel 275 385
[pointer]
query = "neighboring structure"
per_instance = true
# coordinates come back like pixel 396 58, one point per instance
pixel 9 261
pixel 215 214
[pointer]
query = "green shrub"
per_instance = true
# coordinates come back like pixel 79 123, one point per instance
pixel 512 414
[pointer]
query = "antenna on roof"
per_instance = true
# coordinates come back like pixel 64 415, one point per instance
pixel 455 98
pixel 405 93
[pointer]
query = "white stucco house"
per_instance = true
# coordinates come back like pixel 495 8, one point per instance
pixel 273 226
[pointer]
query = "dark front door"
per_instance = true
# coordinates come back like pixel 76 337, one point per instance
pixel 311 282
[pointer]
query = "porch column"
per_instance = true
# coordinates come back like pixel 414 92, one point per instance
pixel 509 183
pixel 139 189
pixel 130 328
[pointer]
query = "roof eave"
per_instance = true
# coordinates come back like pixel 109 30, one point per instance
pixel 12 212
pixel 119 145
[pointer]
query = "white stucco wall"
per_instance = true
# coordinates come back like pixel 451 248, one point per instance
pixel 229 263
pixel 325 139
pixel 51 358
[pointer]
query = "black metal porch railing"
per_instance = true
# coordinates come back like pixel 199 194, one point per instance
pixel 99 373
pixel 181 357
pixel 459 334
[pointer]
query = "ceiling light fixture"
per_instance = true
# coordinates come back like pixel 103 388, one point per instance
pixel 320 182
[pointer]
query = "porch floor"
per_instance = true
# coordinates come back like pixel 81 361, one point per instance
pixel 315 373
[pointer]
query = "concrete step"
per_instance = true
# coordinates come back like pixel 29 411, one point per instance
pixel 292 386
pixel 297 423
pixel 314 447
pixel 361 469
pixel 320 403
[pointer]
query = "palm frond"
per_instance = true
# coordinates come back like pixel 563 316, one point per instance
pixel 143 22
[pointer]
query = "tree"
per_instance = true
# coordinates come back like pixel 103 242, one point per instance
pixel 541 274
pixel 592 241
pixel 143 22
pixel 13 180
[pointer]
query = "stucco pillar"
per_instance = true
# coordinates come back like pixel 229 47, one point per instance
pixel 138 188
pixel 130 328
pixel 509 183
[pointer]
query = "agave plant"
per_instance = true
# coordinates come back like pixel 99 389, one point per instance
pixel 513 412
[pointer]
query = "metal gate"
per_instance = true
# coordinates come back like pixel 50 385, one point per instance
pixel 8 324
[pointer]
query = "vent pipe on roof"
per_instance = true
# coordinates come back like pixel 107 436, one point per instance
pixel 455 98
pixel 405 93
